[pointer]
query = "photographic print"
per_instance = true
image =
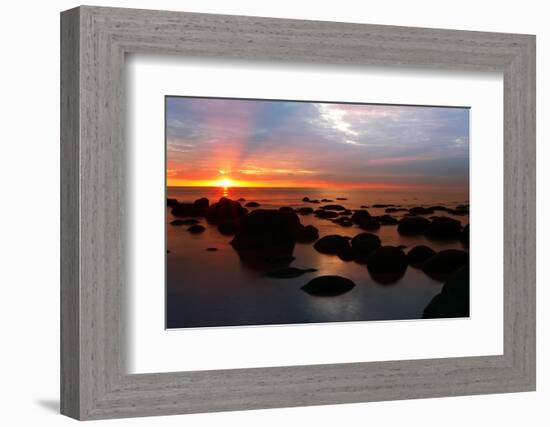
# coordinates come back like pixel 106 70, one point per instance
pixel 285 212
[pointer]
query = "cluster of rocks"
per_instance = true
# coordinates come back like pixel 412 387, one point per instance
pixel 265 239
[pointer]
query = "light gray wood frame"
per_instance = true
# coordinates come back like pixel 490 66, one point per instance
pixel 94 41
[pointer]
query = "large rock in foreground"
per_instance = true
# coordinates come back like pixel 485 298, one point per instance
pixel 418 255
pixel 442 264
pixel 225 210
pixel 413 225
pixel 387 264
pixel 454 298
pixel 444 228
pixel 331 244
pixel 264 235
pixel 328 286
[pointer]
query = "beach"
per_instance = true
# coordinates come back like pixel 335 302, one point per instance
pixel 211 281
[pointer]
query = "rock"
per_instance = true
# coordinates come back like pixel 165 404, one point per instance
pixel 306 234
pixel 465 235
pixel 266 234
pixel 305 211
pixel 387 264
pixel 360 216
pixel 369 224
pixel 211 249
pixel 393 210
pixel 324 214
pixel 241 199
pixel 331 244
pixel 454 298
pixel 359 238
pixel 203 203
pixel 438 208
pixel 289 272
pixel 419 255
pixel 333 208
pixel 363 245
pixel 346 212
pixel 171 202
pixel 252 205
pixel 462 207
pixel 326 200
pixel 412 225
pixel 444 263
pixel 328 286
pixel 225 210
pixel 286 209
pixel 188 210
pixel 387 220
pixel 343 221
pixel 346 254
pixel 305 199
pixel 314 201
pixel 419 210
pixel 196 229
pixel 444 228
pixel 341 198
pixel 227 228
pixel 379 205
pixel 178 222
pixel 363 206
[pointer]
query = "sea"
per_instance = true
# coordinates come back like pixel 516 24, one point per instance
pixel 214 289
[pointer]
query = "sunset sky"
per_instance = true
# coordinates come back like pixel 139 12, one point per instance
pixel 227 142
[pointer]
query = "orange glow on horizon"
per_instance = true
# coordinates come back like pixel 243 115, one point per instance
pixel 230 183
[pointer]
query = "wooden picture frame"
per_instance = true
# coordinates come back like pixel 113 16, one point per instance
pixel 94 382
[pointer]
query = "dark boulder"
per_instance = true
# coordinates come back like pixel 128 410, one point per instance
pixel 341 198
pixel 286 209
pixel 393 210
pixel 266 234
pixel 171 202
pixel 438 208
pixel 188 210
pixel 305 211
pixel 379 205
pixel 252 205
pixel 324 214
pixel 306 234
pixel 196 229
pixel 328 286
pixel 369 224
pixel 419 210
pixel 444 228
pixel 387 220
pixel 326 200
pixel 305 199
pixel 289 272
pixel 363 206
pixel 412 225
pixel 387 264
pixel 458 212
pixel 346 254
pixel 178 222
pixel 419 255
pixel 331 244
pixel 203 203
pixel 211 249
pixel 225 210
pixel 343 221
pixel 360 216
pixel 454 298
pixel 241 199
pixel 363 245
pixel 228 228
pixel 444 263
pixel 333 207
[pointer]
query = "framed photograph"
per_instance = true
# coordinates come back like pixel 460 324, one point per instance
pixel 263 213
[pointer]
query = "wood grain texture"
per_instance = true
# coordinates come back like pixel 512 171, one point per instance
pixel 95 383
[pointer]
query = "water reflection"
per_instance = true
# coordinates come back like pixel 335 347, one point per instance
pixel 216 288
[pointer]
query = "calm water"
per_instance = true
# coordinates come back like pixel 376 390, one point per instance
pixel 215 289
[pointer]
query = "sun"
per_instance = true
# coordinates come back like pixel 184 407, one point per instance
pixel 225 183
